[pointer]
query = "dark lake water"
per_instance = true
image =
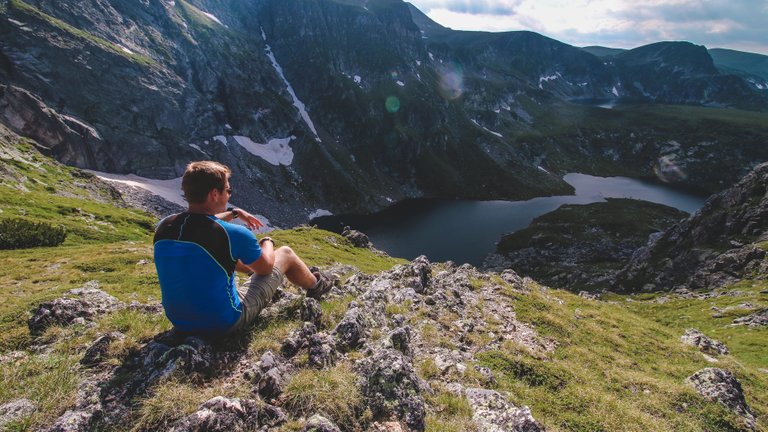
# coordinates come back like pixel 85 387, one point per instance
pixel 466 231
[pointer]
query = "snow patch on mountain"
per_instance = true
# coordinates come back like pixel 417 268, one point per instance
pixel 401 84
pixel 196 147
pixel 168 189
pixel 277 151
pixel 221 138
pixel 543 79
pixel 125 49
pixel 615 91
pixel 296 102
pixel 486 129
pixel 318 213
pixel 213 18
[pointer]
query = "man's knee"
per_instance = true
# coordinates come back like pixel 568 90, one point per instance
pixel 285 250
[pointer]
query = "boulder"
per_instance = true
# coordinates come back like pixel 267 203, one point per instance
pixel 357 238
pixel 16 410
pixel 311 311
pixel 267 377
pixel 757 319
pixel 401 340
pixel 722 386
pixel 78 305
pixel 221 414
pixel 322 351
pixel 351 331
pixel 99 349
pixel 297 339
pixel 318 423
pixel 392 389
pixel 493 413
pixel 703 343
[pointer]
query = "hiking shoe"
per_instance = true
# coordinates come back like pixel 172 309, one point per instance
pixel 323 285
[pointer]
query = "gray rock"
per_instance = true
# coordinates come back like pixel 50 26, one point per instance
pixel 322 352
pixel 16 410
pixel 689 253
pixel 351 331
pixel 509 276
pixel 271 384
pixel 318 423
pixel 391 388
pixel 311 311
pixel 79 304
pixel 493 413
pixel 721 386
pixel 757 319
pixel 357 238
pixel 297 340
pixel 88 410
pixel 401 340
pixel 221 414
pixel 98 351
pixel 703 343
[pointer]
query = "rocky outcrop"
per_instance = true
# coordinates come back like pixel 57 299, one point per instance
pixel 391 388
pixel 99 349
pixel 15 410
pixel 357 238
pixel 493 413
pixel 722 386
pixel 377 347
pixel 318 423
pixel 717 245
pixel 755 320
pixel 703 343
pixel 79 306
pixel 221 414
pixel 582 247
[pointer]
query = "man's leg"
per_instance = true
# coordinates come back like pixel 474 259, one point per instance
pixel 294 268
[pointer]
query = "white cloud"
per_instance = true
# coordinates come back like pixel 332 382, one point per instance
pixel 738 24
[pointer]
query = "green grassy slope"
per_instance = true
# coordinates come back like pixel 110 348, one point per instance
pixel 618 365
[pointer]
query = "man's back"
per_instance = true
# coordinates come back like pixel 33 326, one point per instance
pixel 195 256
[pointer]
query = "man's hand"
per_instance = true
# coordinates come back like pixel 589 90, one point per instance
pixel 250 220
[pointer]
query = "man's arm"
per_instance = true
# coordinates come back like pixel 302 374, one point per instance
pixel 250 220
pixel 262 266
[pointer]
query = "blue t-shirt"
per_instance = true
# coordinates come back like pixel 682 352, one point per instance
pixel 195 256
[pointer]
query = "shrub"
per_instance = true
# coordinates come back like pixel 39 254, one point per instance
pixel 21 233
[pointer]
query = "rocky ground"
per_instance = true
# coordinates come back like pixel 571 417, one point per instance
pixel 398 319
pixel 407 334
pixel 720 244
pixel 582 247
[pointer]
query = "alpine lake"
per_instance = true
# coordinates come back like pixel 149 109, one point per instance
pixel 465 231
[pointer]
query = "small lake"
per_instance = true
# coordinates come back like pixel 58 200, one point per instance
pixel 467 231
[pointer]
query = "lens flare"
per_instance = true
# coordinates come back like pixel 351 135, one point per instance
pixel 392 104
pixel 668 171
pixel 451 82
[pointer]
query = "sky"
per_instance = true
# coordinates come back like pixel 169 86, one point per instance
pixel 735 24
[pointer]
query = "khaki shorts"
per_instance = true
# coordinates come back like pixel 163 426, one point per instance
pixel 255 295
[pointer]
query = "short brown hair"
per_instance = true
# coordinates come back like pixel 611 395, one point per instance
pixel 202 177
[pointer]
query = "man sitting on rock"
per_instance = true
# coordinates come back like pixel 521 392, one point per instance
pixel 198 251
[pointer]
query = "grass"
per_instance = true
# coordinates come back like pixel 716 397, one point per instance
pixel 449 413
pixel 331 392
pixel 618 368
pixel 618 365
